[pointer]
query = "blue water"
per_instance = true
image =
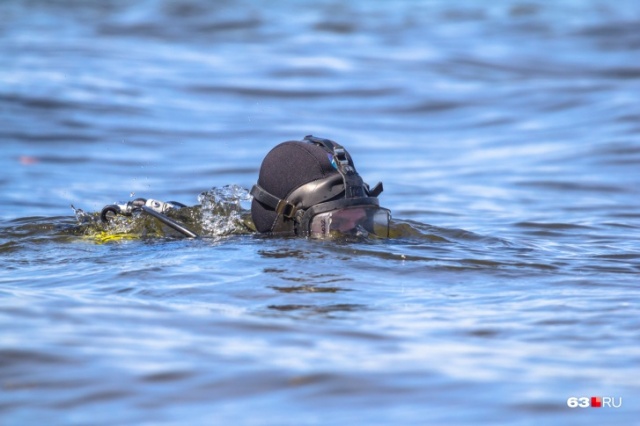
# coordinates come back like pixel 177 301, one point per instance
pixel 507 136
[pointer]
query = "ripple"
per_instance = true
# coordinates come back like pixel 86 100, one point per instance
pixel 433 106
pixel 167 377
pixel 575 186
pixel 95 397
pixel 289 93
pixel 308 289
pixel 180 28
pixel 56 103
pixel 621 73
pixel 553 226
pixel 17 356
pixel 320 309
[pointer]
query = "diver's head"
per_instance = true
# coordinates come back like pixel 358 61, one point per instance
pixel 311 188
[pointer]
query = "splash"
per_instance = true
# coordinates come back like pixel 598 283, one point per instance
pixel 120 228
pixel 81 216
pixel 224 211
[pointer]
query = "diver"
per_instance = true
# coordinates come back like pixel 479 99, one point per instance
pixel 312 189
pixel 307 188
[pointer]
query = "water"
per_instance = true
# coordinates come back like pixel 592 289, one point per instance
pixel 507 137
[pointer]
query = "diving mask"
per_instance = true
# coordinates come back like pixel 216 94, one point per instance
pixel 360 221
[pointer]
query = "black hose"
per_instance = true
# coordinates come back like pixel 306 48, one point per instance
pixel 170 222
pixel 104 214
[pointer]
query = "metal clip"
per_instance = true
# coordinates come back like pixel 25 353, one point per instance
pixel 341 155
pixel 286 209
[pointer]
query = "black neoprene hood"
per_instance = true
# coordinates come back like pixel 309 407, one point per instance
pixel 296 176
pixel 286 167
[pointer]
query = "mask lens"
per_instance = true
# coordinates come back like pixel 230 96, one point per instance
pixel 356 220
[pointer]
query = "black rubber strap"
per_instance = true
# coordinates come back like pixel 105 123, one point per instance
pixel 327 144
pixel 282 207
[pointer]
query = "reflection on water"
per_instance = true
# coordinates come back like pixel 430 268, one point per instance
pixel 506 135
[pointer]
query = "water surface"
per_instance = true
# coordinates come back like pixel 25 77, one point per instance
pixel 507 138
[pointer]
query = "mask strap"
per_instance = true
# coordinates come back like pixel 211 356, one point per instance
pixel 281 207
pixel 353 184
